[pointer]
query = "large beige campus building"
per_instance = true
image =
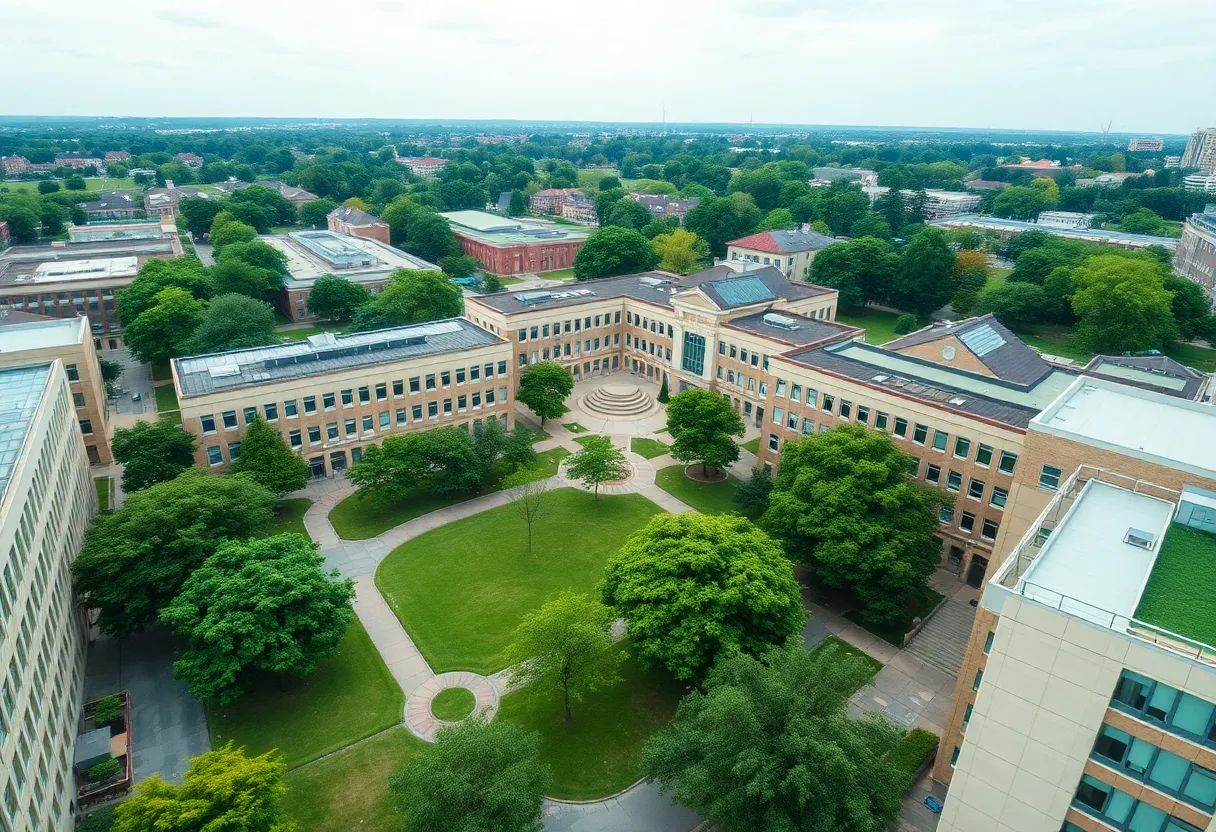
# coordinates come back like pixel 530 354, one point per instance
pixel 47 500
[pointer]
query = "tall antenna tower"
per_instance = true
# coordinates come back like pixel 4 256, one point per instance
pixel 1106 130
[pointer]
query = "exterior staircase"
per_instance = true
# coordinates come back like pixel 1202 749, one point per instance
pixel 618 401
pixel 942 642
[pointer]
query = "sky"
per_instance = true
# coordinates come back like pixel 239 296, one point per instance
pixel 1029 64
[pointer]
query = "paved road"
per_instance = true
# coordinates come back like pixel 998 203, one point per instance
pixel 203 250
pixel 640 809
pixel 136 378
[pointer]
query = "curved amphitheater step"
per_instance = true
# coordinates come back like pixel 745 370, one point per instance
pixel 617 400
pixel 943 641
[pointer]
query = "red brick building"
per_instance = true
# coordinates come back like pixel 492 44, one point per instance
pixel 509 246
pixel 358 223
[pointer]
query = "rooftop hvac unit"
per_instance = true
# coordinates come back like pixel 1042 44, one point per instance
pixel 225 371
pixel 780 321
pixel 1140 538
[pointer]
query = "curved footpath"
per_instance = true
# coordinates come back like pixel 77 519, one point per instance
pixel 640 807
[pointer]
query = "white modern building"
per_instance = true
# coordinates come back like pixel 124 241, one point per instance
pixel 1205 183
pixel 1154 144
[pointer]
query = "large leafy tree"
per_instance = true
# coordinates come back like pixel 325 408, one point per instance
pixel 1122 305
pixel 199 213
pixel 257 605
pixel 680 251
pixel 411 297
pixel 166 329
pixel 611 251
pixel 598 462
pixel 135 560
pixel 703 426
pixel 861 270
pixel 843 503
pixel 440 460
pixel 151 452
pixel 718 220
pixel 1192 307
pixel 266 458
pixel 1016 305
pixel 184 273
pixel 336 298
pixel 227 229
pixel 222 790
pixel 476 776
pixel 767 744
pixel 695 587
pixel 315 212
pixel 566 644
pixel 543 387
pixel 926 279
pixel 629 214
pixel 233 322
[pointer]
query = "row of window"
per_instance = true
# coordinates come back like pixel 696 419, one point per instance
pixel 741 354
pixel 569 349
pixel 544 331
pixel 657 350
pixel 1163 770
pixel 1122 811
pixel 1175 711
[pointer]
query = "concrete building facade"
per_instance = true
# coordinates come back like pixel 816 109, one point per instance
pixel 509 246
pixel 1154 144
pixel 1195 257
pixel 331 396
pixel 47 501
pixel 1200 151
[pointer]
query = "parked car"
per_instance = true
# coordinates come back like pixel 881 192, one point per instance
pixel 136 397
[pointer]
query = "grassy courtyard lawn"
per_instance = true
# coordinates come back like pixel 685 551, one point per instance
pixel 289 516
pixel 453 704
pixel 875 664
pixel 648 448
pixel 350 789
pixel 558 274
pixel 599 752
pixel 355 518
pixel 461 589
pixel 752 445
pixel 894 635
pixel 1179 595
pixel 705 497
pixel 350 695
pixel 1058 340
pixel 879 325
pixel 103 491
pixel 574 427
pixel 166 399
pixel 92 183
pixel 160 371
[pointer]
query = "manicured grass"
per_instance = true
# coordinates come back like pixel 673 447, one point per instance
pixel 92 183
pixel 461 589
pixel 582 440
pixel 355 518
pixel 705 497
pixel 1179 596
pixel 350 789
pixel 751 445
pixel 540 436
pixel 289 516
pixel 166 398
pixel 558 274
pixel 174 416
pixel 103 491
pixel 160 371
pixel 912 751
pixel 1201 358
pixel 875 664
pixel 599 752
pixel 1058 340
pixel 453 704
pixel 350 695
pixel 894 634
pixel 574 427
pixel 283 229
pixel 648 448
pixel 879 325
pixel 591 178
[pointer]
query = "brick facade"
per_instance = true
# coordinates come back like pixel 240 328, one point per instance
pixel 520 258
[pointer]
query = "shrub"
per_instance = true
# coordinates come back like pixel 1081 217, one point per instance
pixel 905 323
pixel 101 820
pixel 108 710
pixel 104 770
pixel 912 750
pixel 663 396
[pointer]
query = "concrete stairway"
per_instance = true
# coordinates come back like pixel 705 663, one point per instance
pixel 942 642
pixel 616 401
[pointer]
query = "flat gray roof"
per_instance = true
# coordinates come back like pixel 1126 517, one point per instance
pixel 305 262
pixel 37 335
pixel 20 393
pixel 18 263
pixel 1095 235
pixel 321 354
pixel 791 328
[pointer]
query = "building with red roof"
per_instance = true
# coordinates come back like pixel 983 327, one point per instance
pixel 790 251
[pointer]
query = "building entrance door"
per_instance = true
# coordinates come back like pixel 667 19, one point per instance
pixel 759 417
pixel 316 467
pixel 975 574
pixel 954 560
pixel 337 461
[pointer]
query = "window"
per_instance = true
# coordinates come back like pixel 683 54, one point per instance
pixel 415 385
pixel 945 515
pixel 1007 463
pixel 502 369
pixel 381 391
pixel 400 416
pixel 367 424
pixel 913 466
pixel 78 400
pixel 967 521
pixel 229 417
pixel 214 457
pixel 462 403
pixel 251 413
pixel 967 716
pixel 416 412
pixel 939 440
pixel 348 398
pixel 791 421
pixel 72 371
pixel 475 373
pixel 988 529
pixel 295 438
pixel 778 415
pixel 780 387
pixel 829 403
pixel 954 481
pixel 430 381
pixel 983 456
pixel 880 420
pixel 920 433
pixel 1049 477
pixel 522 335
pixel 384 419
pixel 807 425
pixel 772 441
pixel 693 359
pixel 901 427
pixel 846 409
pixel 975 489
pixel 477 398
pixel 234 450
pixel 962 447
pixel 289 409
pixel 721 346
pixel 999 497
pixel 1178 712
pixel 272 412
pixel 863 414
pixel 310 404
pixel 349 427
pixel 327 401
pixel 445 378
pixel 331 430
pixel 314 434
pixel 979 677
pixel 795 392
pixel 988 641
pixel 207 423
pixel 933 474
pixel 432 410
pixel 954 757
pixel 398 388
pixel 365 395
pixel 812 395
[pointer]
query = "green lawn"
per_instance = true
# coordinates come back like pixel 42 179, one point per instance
pixel 591 178
pixel 166 398
pixel 1178 596
pixel 705 497
pixel 648 448
pixel 574 427
pixel 461 589
pixel 879 325
pixel 582 440
pixel 92 183
pixel 103 491
pixel 894 634
pixel 599 752
pixel 1058 340
pixel 355 518
pixel 289 516
pixel 752 445
pixel 453 704
pixel 558 274
pixel 349 790
pixel 161 371
pixel 174 416
pixel 350 695
pixel 875 664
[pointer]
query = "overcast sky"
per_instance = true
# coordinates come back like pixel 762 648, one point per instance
pixel 1054 64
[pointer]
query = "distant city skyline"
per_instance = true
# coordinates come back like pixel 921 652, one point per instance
pixel 942 63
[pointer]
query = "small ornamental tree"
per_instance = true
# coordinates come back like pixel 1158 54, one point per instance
pixel 567 644
pixel 222 789
pixel 266 458
pixel 694 587
pixel 543 388
pixel 336 298
pixel 599 461
pixel 703 426
pixel 262 604
pixel 529 498
pixel 152 452
pixel 476 776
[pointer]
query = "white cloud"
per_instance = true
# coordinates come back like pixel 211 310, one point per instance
pixel 1027 63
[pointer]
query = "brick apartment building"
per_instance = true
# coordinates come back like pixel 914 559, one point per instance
pixel 550 200
pixel 508 246
pixel 425 167
pixel 358 223
pixel 661 205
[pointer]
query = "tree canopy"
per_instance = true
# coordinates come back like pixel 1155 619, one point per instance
pixel 166 329
pixel 694 587
pixel 1122 305
pixel 611 251
pixel 598 462
pixel 680 251
pixel 336 298
pixel 267 460
pixel 152 451
pixel 703 426
pixel 862 270
pixel 926 280
pixel 233 322
pixel 410 297
pixel 543 388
